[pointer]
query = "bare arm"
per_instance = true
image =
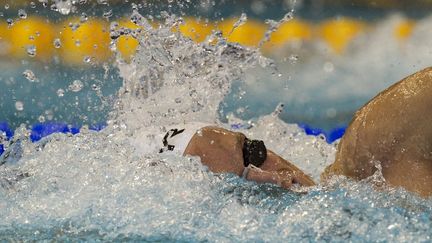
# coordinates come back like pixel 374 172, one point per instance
pixel 279 171
pixel 222 151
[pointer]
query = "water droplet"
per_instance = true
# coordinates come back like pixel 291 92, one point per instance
pixel 32 5
pixel 44 3
pixel 41 119
pixel 49 114
pixel 193 93
pixel 321 137
pixel 31 50
pixel 293 59
pixel 54 7
pixel 19 106
pixel 60 92
pixel 10 22
pixel 57 43
pixel 328 67
pixel 83 18
pixel 22 14
pixel 29 75
pixel 87 59
pixel 240 110
pixel 76 86
pixel 74 26
pixel 6 6
pixel 108 14
pixel 63 7
pixel 95 87
pixel 242 20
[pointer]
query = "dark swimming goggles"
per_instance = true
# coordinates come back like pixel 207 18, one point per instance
pixel 254 152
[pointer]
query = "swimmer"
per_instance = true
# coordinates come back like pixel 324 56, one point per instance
pixel 394 130
pixel 225 151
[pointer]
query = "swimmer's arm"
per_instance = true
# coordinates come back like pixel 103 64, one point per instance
pixel 281 178
pixel 288 173
pixel 221 151
pixel 261 176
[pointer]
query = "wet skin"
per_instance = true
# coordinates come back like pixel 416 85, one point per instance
pixel 221 151
pixel 394 129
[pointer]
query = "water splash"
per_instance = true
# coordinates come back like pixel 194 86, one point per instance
pixel 242 20
pixel 64 7
pixel 29 75
pixel 182 80
pixel 94 186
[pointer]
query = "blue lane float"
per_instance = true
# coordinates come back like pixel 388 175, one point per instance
pixel 6 130
pixel 41 130
pixel 330 136
pixel 335 134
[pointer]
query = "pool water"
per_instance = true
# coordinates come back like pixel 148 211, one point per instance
pixel 95 186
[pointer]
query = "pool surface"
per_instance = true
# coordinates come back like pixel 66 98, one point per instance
pixel 81 179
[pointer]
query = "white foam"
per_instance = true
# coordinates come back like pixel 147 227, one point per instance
pixel 95 186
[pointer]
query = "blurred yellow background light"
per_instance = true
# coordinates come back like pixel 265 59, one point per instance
pixel 85 40
pixel 32 33
pixel 338 33
pixel 248 34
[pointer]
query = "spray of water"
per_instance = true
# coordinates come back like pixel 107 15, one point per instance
pixel 95 186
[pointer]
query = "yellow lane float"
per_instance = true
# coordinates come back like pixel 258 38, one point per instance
pixel 5 42
pixel 292 31
pixel 126 44
pixel 404 29
pixel 32 37
pixel 196 29
pixel 78 42
pixel 85 42
pixel 338 33
pixel 248 34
